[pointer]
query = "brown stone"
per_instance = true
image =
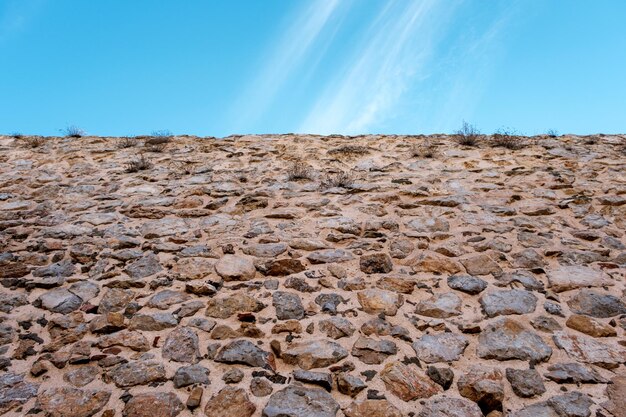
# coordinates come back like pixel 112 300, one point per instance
pixel 407 382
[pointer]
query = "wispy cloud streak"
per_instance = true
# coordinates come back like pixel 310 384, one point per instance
pixel 289 55
pixel 394 53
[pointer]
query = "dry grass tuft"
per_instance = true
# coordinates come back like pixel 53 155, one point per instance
pixel 155 147
pixel 73 132
pixel 300 171
pixel 424 150
pixel 507 138
pixel 127 142
pixel 467 135
pixel 32 141
pixel 337 180
pixel 140 164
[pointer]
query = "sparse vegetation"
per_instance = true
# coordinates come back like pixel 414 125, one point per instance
pixel 73 132
pixel 337 180
pixel 351 150
pixel 156 147
pixel 161 133
pixel 140 164
pixel 127 142
pixel 17 135
pixel 299 171
pixel 591 140
pixel 507 138
pixel 467 135
pixel 158 137
pixel 424 150
pixel 31 141
pixel 552 133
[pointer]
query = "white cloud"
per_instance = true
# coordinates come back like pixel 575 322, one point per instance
pixel 290 53
pixel 394 53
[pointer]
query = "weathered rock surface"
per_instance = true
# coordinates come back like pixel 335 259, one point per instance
pixel 247 275
pixel 299 401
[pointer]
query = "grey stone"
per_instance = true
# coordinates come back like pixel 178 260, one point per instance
pixel 525 382
pixel 191 375
pixel 467 284
pixel 181 345
pixel 502 303
pixel 444 406
pixel 443 347
pixel 14 391
pixel 594 304
pixel 299 401
pixel 506 339
pixel 288 305
pixel 246 353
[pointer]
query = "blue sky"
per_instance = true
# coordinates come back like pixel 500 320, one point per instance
pixel 127 67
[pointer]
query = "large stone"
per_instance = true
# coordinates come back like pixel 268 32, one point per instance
pixel 72 402
pixel 167 298
pixel 594 304
pixel 230 402
pixel 322 379
pixel 14 391
pixel 9 302
pixel 443 347
pixel 481 264
pixel 467 284
pixel 429 225
pixel 407 383
pixel 525 382
pixel 246 353
pixel 444 406
pixel 589 350
pixel 587 325
pixel 327 256
pixel 484 386
pixel 153 404
pixel 616 393
pixel 440 306
pixel 81 376
pixel 376 263
pixel 574 373
pixel 265 250
pixel 299 401
pixel 503 303
pixel 163 227
pixel 115 299
pixel 152 322
pixel 372 351
pixel 372 408
pixel 144 267
pixel 224 307
pixel 341 224
pixel 375 301
pixel 282 267
pixel 60 300
pixel 288 305
pixel 337 327
pixel 565 278
pixel 314 354
pixel 191 375
pixel 137 373
pixel 506 339
pixel 133 340
pixel 235 268
pixel 181 345
pixel 433 262
pixel 572 404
